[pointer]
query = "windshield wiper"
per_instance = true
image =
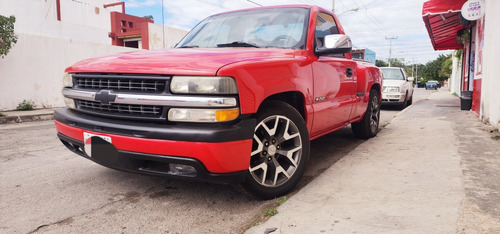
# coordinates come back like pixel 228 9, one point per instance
pixel 189 46
pixel 238 44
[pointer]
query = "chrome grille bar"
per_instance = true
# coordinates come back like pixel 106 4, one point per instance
pixel 159 100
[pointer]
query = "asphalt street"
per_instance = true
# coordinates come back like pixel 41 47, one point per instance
pixel 46 188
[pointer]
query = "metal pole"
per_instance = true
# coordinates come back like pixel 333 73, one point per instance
pixel 390 47
pixel 333 5
pixel 163 23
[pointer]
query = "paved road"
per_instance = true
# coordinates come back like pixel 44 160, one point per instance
pixel 46 188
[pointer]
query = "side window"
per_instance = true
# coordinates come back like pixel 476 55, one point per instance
pixel 325 25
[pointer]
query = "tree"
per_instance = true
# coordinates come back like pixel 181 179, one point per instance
pixel 433 69
pixel 381 63
pixel 7 36
pixel 395 62
pixel 446 67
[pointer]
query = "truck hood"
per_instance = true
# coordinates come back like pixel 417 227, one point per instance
pixel 393 83
pixel 185 61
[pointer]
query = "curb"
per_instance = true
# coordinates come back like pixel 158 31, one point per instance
pixel 26 118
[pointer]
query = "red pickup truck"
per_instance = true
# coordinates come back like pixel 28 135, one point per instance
pixel 236 102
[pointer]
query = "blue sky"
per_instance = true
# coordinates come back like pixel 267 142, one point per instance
pixel 367 22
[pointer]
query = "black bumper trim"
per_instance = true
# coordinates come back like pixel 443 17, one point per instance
pixel 152 164
pixel 239 130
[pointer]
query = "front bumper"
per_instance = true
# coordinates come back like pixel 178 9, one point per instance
pixel 388 98
pixel 218 153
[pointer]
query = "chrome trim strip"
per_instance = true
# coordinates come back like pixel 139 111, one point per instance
pixel 136 99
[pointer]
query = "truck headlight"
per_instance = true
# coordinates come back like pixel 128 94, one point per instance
pixel 67 80
pixel 203 85
pixel 202 115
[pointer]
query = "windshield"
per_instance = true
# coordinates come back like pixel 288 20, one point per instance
pixel 274 27
pixel 392 74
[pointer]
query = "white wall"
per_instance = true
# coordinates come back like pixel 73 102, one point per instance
pixel 90 13
pixel 172 36
pixel 456 74
pixel 79 20
pixel 490 91
pixel 34 68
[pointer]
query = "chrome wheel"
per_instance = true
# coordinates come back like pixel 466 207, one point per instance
pixel 368 126
pixel 276 151
pixel 375 114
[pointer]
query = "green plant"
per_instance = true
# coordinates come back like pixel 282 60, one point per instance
pixel 7 36
pixel 454 94
pixel 497 137
pixel 465 37
pixel 458 54
pixel 26 105
pixel 2 114
pixel 270 211
pixel 280 202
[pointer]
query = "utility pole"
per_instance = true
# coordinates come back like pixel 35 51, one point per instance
pixel 163 23
pixel 390 47
pixel 416 73
pixel 333 5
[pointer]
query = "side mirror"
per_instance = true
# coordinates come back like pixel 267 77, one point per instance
pixel 411 79
pixel 334 44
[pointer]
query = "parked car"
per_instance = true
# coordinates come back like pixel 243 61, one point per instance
pixel 432 84
pixel 397 87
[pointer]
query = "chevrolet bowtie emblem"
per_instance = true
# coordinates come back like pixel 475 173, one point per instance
pixel 105 97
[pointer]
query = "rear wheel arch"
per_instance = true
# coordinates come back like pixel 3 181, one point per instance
pixel 378 88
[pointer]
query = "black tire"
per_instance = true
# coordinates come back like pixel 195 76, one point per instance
pixel 410 101
pixel 405 103
pixel 280 151
pixel 368 126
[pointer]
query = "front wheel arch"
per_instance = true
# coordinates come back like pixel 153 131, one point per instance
pixel 280 151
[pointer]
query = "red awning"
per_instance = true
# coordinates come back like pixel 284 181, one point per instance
pixel 442 20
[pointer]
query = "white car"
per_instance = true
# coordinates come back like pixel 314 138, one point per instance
pixel 397 87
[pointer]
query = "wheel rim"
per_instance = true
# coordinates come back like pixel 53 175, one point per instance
pixel 375 114
pixel 276 151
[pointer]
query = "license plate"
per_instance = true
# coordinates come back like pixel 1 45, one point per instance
pixel 87 141
pixel 87 136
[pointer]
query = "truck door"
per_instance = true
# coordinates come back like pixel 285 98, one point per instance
pixel 334 82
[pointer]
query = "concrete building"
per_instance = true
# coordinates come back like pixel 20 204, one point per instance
pixel 364 54
pixel 53 34
pixel 469 27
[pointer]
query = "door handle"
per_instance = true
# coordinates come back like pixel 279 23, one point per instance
pixel 348 72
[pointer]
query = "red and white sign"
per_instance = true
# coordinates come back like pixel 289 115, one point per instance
pixel 473 10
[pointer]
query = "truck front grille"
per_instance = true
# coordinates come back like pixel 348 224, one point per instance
pixel 133 83
pixel 123 110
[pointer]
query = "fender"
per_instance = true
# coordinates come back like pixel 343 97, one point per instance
pixel 369 77
pixel 262 78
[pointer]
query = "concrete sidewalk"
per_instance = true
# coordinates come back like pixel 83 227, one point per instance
pixel 27 116
pixel 433 169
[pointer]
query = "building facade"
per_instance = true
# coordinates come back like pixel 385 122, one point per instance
pixel 470 27
pixel 364 54
pixel 53 34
